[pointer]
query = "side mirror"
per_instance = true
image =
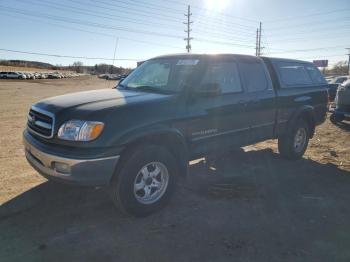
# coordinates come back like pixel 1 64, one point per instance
pixel 210 89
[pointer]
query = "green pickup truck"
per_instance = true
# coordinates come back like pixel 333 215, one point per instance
pixel 138 138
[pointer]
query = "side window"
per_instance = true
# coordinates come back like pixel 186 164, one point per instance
pixel 225 74
pixel 254 76
pixel 293 74
pixel 315 74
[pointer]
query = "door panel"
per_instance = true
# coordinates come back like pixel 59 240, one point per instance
pixel 218 122
pixel 261 112
pixel 261 108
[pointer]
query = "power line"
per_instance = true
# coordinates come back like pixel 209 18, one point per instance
pixel 95 33
pixel 151 6
pixel 199 39
pixel 67 56
pixel 310 32
pixel 219 13
pixel 86 23
pixel 291 40
pixel 98 14
pixel 206 19
pixel 311 24
pixel 305 50
pixel 173 19
pixel 104 26
pixel 308 15
pixel 95 14
pixel 141 11
pixel 223 30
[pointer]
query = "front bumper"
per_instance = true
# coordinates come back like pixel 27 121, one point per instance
pixel 87 171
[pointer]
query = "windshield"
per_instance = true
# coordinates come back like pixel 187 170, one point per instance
pixel 161 75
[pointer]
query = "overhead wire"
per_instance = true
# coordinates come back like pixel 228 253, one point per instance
pixel 68 56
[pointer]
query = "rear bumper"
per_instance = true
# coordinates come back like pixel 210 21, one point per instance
pixel 87 171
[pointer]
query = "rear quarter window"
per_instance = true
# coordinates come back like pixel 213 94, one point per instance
pixel 315 74
pixel 293 74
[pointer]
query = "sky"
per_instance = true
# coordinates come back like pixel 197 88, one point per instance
pixel 125 31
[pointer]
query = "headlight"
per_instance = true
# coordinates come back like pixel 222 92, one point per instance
pixel 78 130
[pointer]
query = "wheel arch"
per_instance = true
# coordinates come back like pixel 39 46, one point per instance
pixel 172 139
pixel 306 113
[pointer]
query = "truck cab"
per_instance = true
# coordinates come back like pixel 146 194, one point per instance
pixel 139 137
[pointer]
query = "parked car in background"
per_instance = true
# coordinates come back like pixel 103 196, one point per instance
pixel 30 76
pixel 37 75
pixel 329 78
pixel 12 75
pixel 113 77
pixel 342 103
pixel 103 76
pixel 139 137
pixel 3 74
pixel 339 79
pixel 332 91
pixel 53 76
pixel 123 77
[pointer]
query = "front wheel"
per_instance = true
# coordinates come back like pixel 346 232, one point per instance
pixel 145 180
pixel 293 144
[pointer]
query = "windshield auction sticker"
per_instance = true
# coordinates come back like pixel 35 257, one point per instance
pixel 187 62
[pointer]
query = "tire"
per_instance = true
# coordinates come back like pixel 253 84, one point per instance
pixel 336 118
pixel 293 144
pixel 128 176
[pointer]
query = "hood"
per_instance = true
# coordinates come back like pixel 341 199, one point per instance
pixel 95 100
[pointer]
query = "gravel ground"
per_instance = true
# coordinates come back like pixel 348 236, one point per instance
pixel 249 205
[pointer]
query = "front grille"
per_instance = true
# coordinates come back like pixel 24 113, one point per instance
pixel 40 122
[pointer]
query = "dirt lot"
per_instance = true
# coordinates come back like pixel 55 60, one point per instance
pixel 248 206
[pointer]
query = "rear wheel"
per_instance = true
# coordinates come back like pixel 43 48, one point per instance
pixel 145 180
pixel 293 144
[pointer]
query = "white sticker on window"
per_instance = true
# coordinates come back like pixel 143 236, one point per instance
pixel 187 62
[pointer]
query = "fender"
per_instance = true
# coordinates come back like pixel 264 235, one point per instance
pixel 306 111
pixel 171 137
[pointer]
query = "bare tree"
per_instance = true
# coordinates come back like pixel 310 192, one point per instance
pixel 78 67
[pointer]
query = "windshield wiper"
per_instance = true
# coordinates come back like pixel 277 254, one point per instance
pixel 148 88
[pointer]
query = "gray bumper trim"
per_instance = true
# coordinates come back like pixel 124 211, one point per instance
pixel 82 171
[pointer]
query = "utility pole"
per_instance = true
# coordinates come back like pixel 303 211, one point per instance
pixel 259 40
pixel 188 23
pixel 348 61
pixel 256 42
pixel 114 54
